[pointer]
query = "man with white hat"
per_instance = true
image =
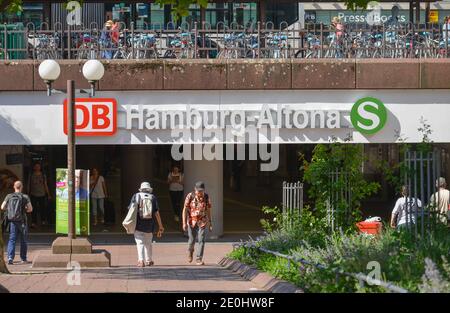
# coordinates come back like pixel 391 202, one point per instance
pixel 441 200
pixel 147 211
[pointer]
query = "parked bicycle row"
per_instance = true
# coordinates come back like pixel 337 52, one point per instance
pixel 393 41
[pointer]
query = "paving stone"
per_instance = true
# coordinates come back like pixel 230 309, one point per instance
pixel 171 274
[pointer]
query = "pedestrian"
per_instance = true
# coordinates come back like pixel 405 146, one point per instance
pixel 176 187
pixel 106 40
pixel 17 205
pixel 197 220
pixel 39 195
pixel 98 193
pixel 440 200
pixel 445 29
pixel 338 28
pixel 115 32
pixel 405 209
pixel 146 205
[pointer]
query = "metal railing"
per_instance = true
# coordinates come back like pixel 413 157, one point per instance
pixel 362 278
pixel 421 211
pixel 255 41
pixel 292 197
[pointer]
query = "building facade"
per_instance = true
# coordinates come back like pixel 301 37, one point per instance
pixel 137 145
pixel 218 13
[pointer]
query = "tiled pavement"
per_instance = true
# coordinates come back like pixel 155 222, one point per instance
pixel 171 273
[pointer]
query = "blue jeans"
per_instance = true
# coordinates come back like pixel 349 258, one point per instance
pixel 98 206
pixel 201 234
pixel 17 229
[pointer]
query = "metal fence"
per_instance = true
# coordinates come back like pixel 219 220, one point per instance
pixel 292 197
pixel 340 198
pixel 292 203
pixel 255 40
pixel 423 168
pixel 360 277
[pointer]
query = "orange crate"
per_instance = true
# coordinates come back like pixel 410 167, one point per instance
pixel 373 228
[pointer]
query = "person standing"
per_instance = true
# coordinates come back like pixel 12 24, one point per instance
pixel 197 220
pixel 405 209
pixel 338 27
pixel 147 212
pixel 440 200
pixel 115 33
pixel 98 194
pixel 106 40
pixel 39 195
pixel 17 206
pixel 176 187
pixel 445 32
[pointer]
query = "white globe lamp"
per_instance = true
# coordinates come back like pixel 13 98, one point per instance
pixel 49 71
pixel 93 71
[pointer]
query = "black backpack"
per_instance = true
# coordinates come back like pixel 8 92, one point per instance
pixel 16 208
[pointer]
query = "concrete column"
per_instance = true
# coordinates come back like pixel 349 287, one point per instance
pixel 211 173
pixel 137 166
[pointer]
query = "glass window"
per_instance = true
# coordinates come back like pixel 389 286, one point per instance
pixel 157 16
pixel 244 14
pixel 281 13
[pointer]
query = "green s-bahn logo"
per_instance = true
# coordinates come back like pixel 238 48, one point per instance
pixel 368 115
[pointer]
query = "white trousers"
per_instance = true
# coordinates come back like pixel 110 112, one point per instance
pixel 144 245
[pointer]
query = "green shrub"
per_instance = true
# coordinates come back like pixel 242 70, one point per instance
pixel 416 265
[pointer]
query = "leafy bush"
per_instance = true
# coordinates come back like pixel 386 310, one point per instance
pixel 334 169
pixel 418 266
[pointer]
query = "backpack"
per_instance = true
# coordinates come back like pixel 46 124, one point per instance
pixel 145 205
pixel 16 208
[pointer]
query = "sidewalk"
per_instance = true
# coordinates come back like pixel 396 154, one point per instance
pixel 171 273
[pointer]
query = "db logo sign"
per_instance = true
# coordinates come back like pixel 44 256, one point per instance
pixel 94 117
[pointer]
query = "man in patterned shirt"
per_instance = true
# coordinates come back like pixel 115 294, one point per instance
pixel 197 220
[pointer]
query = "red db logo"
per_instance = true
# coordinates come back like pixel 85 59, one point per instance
pixel 94 117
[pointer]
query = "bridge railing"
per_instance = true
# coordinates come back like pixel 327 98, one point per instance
pixel 253 40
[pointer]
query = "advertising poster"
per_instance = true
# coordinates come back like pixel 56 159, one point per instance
pixel 81 202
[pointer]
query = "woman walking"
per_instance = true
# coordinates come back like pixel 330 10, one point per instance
pixel 176 187
pixel 98 194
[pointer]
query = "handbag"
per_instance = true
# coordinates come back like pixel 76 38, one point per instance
pixel 129 223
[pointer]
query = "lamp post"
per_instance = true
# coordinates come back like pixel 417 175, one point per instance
pixel 49 71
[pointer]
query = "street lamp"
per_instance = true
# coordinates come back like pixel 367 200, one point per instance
pixel 93 71
pixel 49 71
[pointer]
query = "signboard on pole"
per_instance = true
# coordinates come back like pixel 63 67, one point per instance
pixel 81 202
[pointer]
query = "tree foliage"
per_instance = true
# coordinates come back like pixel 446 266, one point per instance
pixel 334 170
pixel 10 6
pixel 179 7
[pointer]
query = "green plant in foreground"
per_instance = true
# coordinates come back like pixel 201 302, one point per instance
pixel 418 267
pixel 333 171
